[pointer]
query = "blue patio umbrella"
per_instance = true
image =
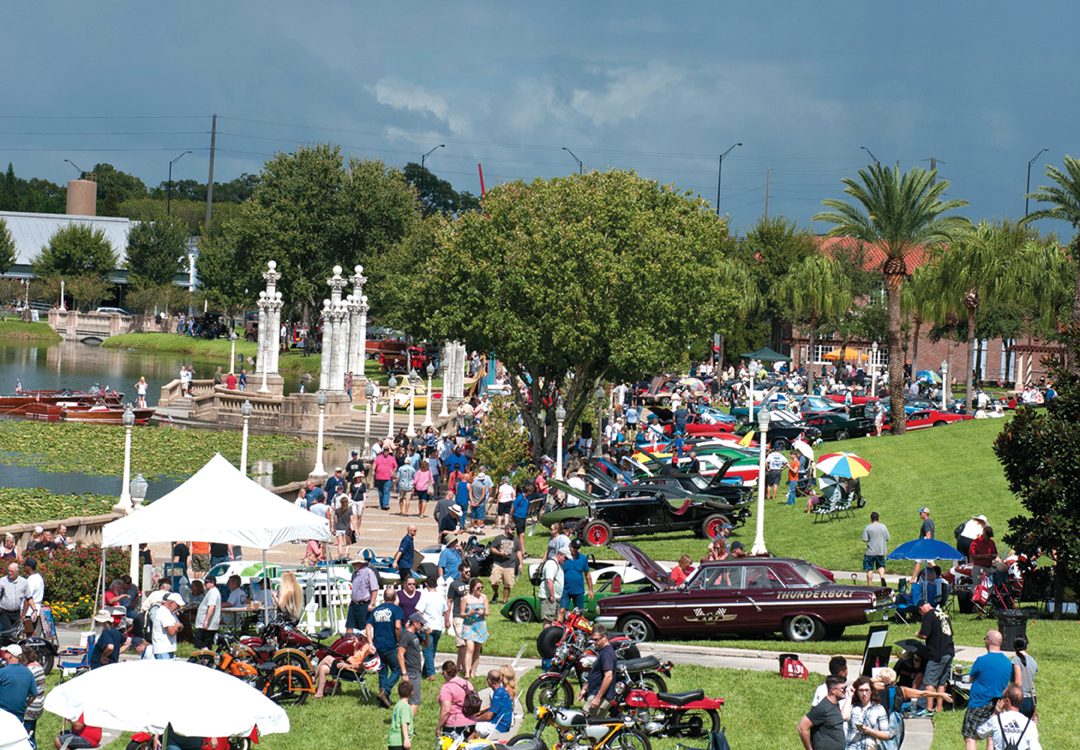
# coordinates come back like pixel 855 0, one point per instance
pixel 928 376
pixel 925 549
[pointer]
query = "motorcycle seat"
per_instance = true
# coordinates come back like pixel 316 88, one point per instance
pixel 267 666
pixel 643 664
pixel 323 634
pixel 681 699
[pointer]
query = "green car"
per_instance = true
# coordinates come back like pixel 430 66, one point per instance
pixel 609 579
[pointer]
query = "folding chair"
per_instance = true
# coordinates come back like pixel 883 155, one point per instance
pixel 358 677
pixel 76 660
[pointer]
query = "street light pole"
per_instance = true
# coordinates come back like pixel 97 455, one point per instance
pixel 560 417
pixel 429 153
pixel 124 503
pixel 411 430
pixel 232 353
pixel 168 200
pixel 719 172
pixel 320 470
pixel 444 410
pixel 369 391
pixel 944 383
pixel 138 493
pixel 580 166
pixel 864 148
pixel 430 396
pixel 759 550
pixel 391 384
pixel 873 368
pixel 1028 189
pixel 245 411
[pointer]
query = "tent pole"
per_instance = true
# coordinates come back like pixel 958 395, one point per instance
pixel 266 588
pixel 331 606
pixel 100 590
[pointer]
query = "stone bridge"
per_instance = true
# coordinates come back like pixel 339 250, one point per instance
pixel 83 326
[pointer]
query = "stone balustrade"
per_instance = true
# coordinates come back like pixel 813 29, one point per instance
pixel 170 392
pixel 82 326
pixel 83 530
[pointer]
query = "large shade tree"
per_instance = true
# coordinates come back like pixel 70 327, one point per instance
pixel 571 282
pixel 898 213
pixel 814 291
pixel 1063 198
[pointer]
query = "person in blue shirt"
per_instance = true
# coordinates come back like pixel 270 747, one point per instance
pixel 403 560
pixel 17 683
pixel 575 579
pixel 450 559
pixel 109 642
pixel 386 622
pixel 990 675
pixel 334 483
pixel 499 715
pixel 520 513
pixel 462 497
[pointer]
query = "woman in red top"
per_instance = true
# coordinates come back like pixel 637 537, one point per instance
pixel 80 735
pixel 983 553
pixel 682 570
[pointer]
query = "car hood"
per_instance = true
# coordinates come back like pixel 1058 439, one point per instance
pixel 644 564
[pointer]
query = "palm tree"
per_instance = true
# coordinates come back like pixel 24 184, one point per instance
pixel 813 291
pixel 1064 200
pixel 897 213
pixel 919 302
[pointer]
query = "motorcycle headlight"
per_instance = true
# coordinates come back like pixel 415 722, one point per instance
pixel 587 661
pixel 628 720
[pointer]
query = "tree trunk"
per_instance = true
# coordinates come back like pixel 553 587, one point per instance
pixel 894 286
pixel 915 348
pixel 971 358
pixel 810 356
pixel 1073 363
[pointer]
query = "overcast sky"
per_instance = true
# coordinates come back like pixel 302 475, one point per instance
pixel 661 88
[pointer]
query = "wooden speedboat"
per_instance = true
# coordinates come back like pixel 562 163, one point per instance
pixel 67 411
pixel 13 404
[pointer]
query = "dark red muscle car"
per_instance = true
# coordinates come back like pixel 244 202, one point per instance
pixel 748 595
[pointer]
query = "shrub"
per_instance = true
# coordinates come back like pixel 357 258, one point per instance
pixel 72 574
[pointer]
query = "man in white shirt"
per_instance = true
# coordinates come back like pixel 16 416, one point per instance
pixel 165 627
pixel 577 481
pixel 1008 727
pixel 551 587
pixel 208 617
pixel 35 586
pixel 432 606
pixel 774 463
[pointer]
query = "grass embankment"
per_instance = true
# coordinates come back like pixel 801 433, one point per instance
pixel 952 470
pixel 19 505
pixel 20 331
pixel 99 449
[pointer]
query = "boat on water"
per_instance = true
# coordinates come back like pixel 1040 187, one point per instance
pixel 15 404
pixel 70 411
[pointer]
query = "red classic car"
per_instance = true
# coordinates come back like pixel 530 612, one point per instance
pixel 747 595
pixel 839 398
pixel 697 425
pixel 918 420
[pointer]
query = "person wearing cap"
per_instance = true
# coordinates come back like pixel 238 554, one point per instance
pixel 165 626
pixel 506 560
pixel 968 532
pixel 334 482
pixel 410 655
pixel 926 531
pixel 448 522
pixel 450 559
pixel 208 616
pixel 576 579
pixel 353 467
pixel 551 586
pixel 737 549
pixel 108 641
pixel 386 627
pixel 17 684
pixel 140 647
pixel 15 599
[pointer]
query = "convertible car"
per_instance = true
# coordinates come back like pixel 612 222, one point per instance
pixel 783 432
pixel 835 425
pixel 646 512
pixel 747 595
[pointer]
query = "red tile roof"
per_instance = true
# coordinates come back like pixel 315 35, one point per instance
pixel 875 256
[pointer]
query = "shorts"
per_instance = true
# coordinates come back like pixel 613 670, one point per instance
pixel 356 508
pixel 572 601
pixel 357 616
pixel 549 611
pixel 423 495
pixel 936 672
pixel 772 477
pixel 873 562
pixel 506 576
pixel 975 718
pixel 340 532
pixel 477 512
pixel 73 740
pixel 503 509
pixel 519 524
pixel 417 684
pixel 200 563
pixel 459 625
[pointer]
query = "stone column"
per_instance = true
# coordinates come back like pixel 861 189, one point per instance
pixel 341 348
pixel 327 330
pixel 357 330
pixel 273 316
pixel 260 359
pixel 352 327
pixel 361 343
pixel 275 332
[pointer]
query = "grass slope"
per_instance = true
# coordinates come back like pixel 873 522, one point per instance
pixel 17 330
pixel 952 470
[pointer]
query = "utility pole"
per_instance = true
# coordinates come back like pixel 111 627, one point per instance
pixel 768 176
pixel 210 179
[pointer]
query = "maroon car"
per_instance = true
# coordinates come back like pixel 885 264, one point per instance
pixel 748 596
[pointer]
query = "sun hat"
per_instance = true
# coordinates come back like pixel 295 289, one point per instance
pixel 455 510
pixel 14 649
pixel 175 598
pixel 103 616
pixel 981 517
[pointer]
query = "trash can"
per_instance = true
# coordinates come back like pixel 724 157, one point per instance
pixel 1013 624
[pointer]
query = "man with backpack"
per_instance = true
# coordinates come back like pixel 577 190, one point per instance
pixel 1009 729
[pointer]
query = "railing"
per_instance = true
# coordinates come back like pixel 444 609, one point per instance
pixel 223 404
pixel 82 530
pixel 72 324
pixel 170 392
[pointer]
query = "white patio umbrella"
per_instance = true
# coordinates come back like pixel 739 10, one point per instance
pixel 149 695
pixel 804 448
pixel 12 734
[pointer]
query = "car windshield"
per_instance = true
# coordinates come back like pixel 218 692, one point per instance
pixel 810 574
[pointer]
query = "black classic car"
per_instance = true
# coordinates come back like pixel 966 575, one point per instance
pixel 746 595
pixel 782 432
pixel 836 425
pixel 674 482
pixel 642 512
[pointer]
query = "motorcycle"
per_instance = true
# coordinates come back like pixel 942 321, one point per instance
pixel 578 628
pixel 576 731
pixel 281 683
pixel 297 648
pixel 684 715
pixel 46 645
pixel 554 687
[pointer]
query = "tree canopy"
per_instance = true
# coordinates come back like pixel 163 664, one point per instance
pixel 76 250
pixel 7 248
pixel 154 251
pixel 436 195
pixel 33 195
pixel 569 282
pixel 309 212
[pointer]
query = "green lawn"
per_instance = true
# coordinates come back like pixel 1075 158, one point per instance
pixel 952 470
pixel 38 333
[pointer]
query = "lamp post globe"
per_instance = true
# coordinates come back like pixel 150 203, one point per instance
pixel 560 417
pixel 245 412
pixel 759 549
pixel 319 469
pixel 138 489
pixel 873 368
pixel 427 407
pixel 391 384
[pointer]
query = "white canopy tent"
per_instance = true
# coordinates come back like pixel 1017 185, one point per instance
pixel 218 504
